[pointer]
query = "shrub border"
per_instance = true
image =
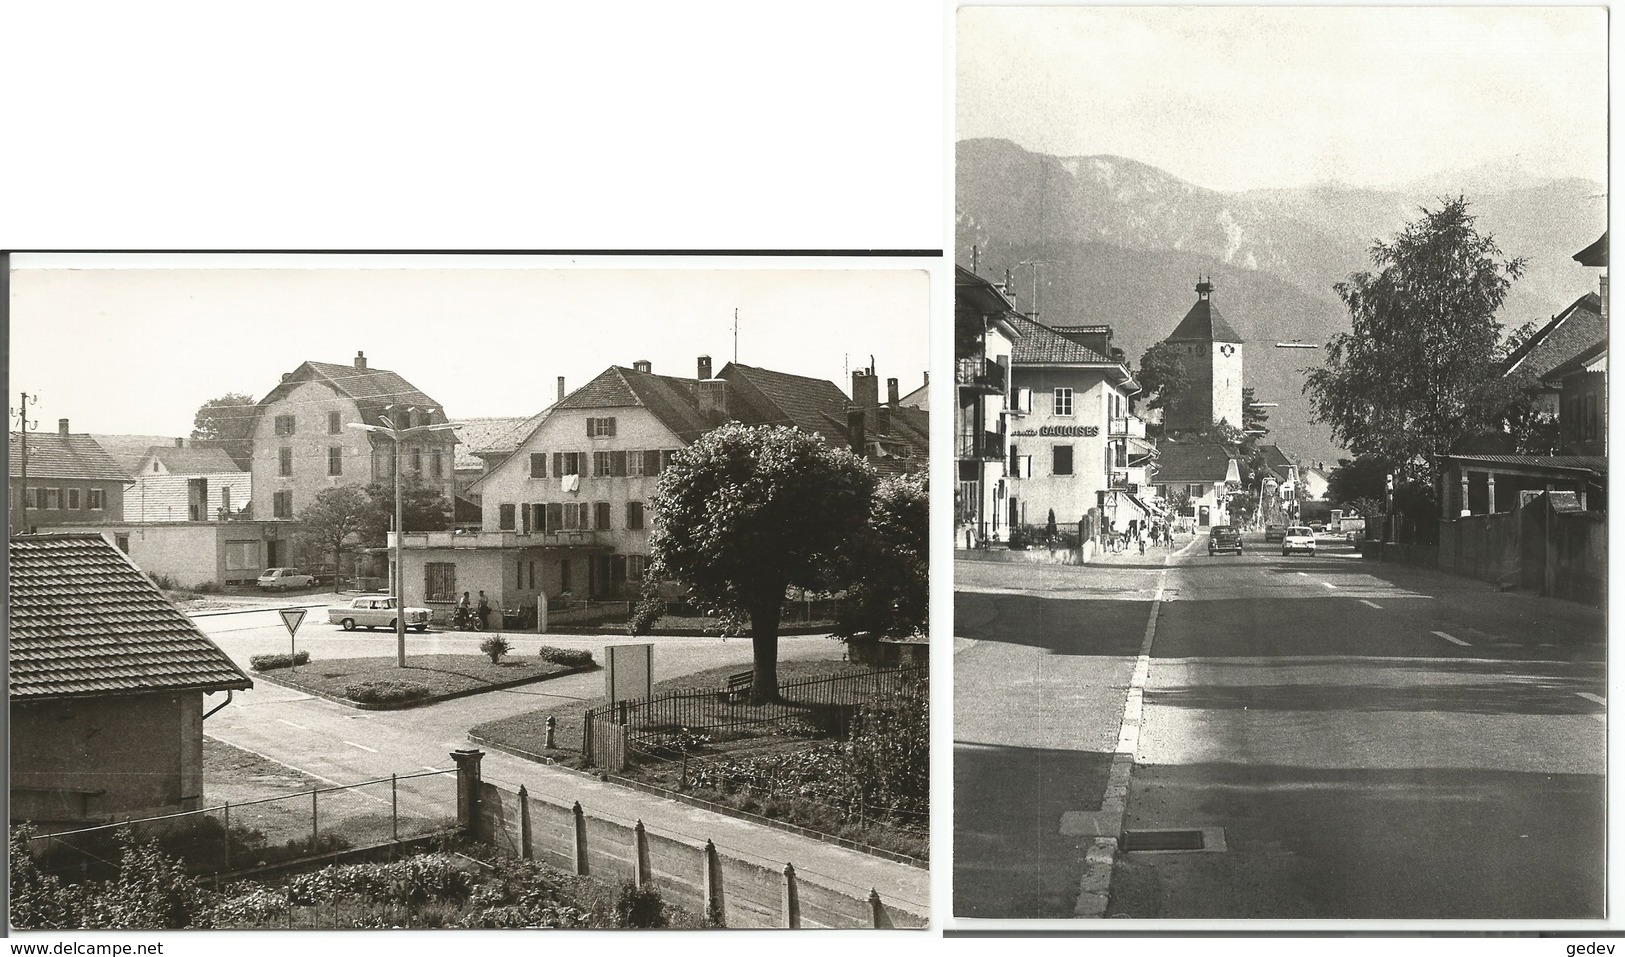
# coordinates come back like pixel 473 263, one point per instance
pixel 432 699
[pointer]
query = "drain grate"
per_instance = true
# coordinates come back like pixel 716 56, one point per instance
pixel 1163 840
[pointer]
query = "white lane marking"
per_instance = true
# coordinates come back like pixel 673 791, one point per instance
pixel 1328 584
pixel 361 746
pixel 1371 603
pixel 1599 699
pixel 292 725
pixel 1304 574
pixel 1450 638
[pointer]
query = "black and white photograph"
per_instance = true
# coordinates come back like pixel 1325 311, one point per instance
pixel 459 592
pixel 1280 436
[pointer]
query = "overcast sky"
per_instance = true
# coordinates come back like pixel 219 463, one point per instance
pixel 1239 98
pixel 136 351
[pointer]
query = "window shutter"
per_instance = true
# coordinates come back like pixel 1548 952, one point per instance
pixel 505 517
pixel 611 421
pixel 538 465
pixel 651 462
pixel 617 466
pixel 555 516
pixel 1024 399
pixel 558 463
pixel 590 423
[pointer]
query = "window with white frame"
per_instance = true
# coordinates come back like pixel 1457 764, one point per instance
pixel 1063 401
pixel 94 497
pixel 601 464
pixel 601 428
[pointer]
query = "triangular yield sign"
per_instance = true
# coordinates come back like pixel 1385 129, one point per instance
pixel 291 617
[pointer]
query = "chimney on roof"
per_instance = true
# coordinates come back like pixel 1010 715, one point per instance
pixel 883 420
pixel 643 365
pixel 62 426
pixel 891 392
pixel 713 398
pixel 703 371
pixel 854 429
pixel 865 389
pixel 360 359
pixel 927 377
pixel 180 443
pixel 561 388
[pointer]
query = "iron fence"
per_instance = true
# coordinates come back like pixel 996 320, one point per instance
pixel 233 836
pixel 674 720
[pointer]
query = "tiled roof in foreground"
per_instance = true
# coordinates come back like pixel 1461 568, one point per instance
pixel 85 621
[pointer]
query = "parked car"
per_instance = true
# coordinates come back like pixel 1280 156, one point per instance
pixel 375 611
pixel 1274 533
pixel 1224 538
pixel 285 579
pixel 1298 538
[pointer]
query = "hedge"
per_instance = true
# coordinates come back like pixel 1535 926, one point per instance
pixel 269 662
pixel 568 657
pixel 385 692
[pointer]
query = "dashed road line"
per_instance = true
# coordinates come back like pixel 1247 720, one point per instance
pixel 1304 574
pixel 1598 699
pixel 1449 637
pixel 1371 603
pixel 361 746
pixel 1328 584
pixel 292 725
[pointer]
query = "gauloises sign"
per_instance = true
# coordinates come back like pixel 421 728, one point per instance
pixel 1070 431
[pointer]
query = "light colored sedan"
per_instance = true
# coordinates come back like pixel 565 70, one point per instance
pixel 378 611
pixel 285 579
pixel 1299 538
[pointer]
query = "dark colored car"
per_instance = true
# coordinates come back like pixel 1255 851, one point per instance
pixel 1274 533
pixel 1224 538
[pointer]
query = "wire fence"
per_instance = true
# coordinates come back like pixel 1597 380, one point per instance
pixel 234 836
pixel 674 720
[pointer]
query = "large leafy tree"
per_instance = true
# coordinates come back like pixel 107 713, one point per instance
pixel 1161 375
pixel 886 570
pixel 341 519
pixel 746 512
pixel 1359 478
pixel 1418 370
pixel 424 508
pixel 228 421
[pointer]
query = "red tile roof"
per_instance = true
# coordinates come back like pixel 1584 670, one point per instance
pixel 52 455
pixel 85 621
pixel 1038 344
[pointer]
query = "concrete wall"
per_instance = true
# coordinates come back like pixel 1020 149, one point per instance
pixel 144 753
pixel 751 892
pixel 490 569
pixel 1480 546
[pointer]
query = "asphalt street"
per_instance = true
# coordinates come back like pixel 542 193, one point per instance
pixel 1369 740
pixel 342 745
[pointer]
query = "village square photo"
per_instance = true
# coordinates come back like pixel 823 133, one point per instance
pixel 1280 544
pixel 369 592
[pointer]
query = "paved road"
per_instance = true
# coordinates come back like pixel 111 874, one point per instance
pixel 1376 741
pixel 342 745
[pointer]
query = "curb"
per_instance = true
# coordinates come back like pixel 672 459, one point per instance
pixel 250 611
pixel 421 702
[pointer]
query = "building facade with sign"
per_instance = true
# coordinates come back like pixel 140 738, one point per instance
pixel 1072 444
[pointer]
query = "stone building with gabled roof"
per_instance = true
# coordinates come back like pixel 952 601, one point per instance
pixel 304 442
pixel 1210 354
pixel 70 479
pixel 106 681
pixel 1197 472
pixel 177 483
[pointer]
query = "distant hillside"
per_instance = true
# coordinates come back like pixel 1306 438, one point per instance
pixel 1131 240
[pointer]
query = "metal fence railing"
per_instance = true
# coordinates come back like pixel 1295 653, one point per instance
pixel 672 719
pixel 233 836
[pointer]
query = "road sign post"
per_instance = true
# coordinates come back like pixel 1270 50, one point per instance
pixel 291 619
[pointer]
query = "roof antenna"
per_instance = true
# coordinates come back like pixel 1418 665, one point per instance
pixel 736 335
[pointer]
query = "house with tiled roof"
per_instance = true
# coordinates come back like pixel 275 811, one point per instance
pixel 1073 444
pixel 177 483
pixel 566 513
pixel 1196 474
pixel 303 439
pixel 1210 355
pixel 107 683
pixel 1578 328
pixel 984 341
pixel 60 478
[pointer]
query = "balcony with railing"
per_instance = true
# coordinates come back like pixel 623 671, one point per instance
pixel 981 374
pixel 986 446
pixel 1129 426
pixel 500 539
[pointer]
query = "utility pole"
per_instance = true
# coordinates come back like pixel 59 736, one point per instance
pixel 24 425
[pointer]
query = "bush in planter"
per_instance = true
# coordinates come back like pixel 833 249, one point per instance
pixel 568 657
pixel 1019 539
pixel 385 691
pixel 495 646
pixel 270 662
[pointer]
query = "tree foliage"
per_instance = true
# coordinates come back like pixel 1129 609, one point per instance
pixel 1417 372
pixel 1161 375
pixel 228 422
pixel 887 565
pixel 341 519
pixel 1253 418
pixel 1364 477
pixel 744 513
pixel 424 508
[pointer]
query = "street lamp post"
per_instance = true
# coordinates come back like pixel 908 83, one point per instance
pixel 397 579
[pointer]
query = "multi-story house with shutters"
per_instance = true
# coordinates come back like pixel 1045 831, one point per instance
pixel 567 513
pixel 304 443
pixel 1073 444
pixel 63 478
pixel 984 339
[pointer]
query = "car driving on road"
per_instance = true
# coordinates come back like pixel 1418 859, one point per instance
pixel 1299 538
pixel 1224 538
pixel 375 611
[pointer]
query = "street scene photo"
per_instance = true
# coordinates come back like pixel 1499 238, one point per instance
pixel 1280 437
pixel 468 593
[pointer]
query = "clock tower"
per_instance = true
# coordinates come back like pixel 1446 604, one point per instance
pixel 1209 352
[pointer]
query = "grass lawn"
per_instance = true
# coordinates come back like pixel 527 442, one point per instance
pixel 442 675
